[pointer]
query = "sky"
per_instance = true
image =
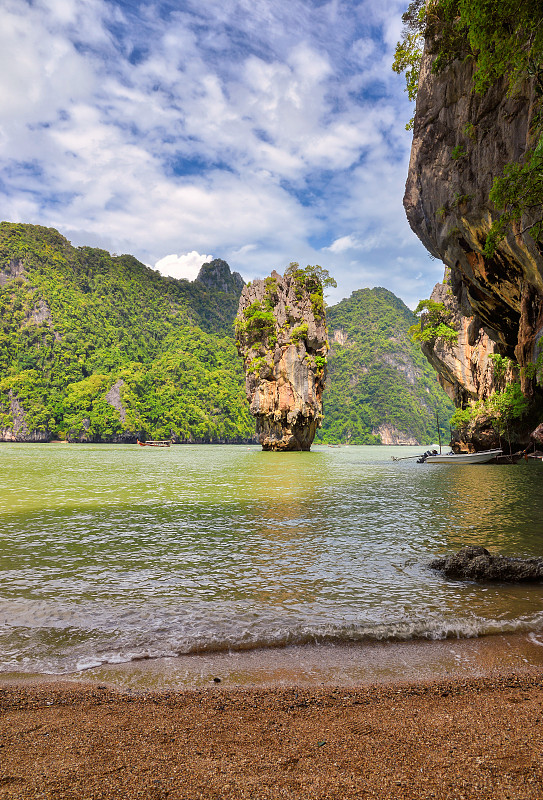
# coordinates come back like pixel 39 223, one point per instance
pixel 257 131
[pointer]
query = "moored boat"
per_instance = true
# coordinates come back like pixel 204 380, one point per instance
pixel 155 443
pixel 463 458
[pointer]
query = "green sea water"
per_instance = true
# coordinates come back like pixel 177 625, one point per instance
pixel 114 553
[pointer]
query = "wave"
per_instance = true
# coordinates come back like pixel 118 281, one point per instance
pixel 335 636
pixel 69 657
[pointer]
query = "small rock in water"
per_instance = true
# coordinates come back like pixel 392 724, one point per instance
pixel 475 563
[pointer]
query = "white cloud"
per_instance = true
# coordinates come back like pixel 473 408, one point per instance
pixel 344 243
pixel 185 266
pixel 263 132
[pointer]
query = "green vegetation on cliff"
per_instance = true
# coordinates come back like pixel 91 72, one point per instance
pixel 377 376
pixel 433 323
pixel 505 42
pixel 94 346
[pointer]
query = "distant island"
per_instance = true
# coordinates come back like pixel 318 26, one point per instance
pixel 100 348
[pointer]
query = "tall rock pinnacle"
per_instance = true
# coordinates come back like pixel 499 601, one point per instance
pixel 281 334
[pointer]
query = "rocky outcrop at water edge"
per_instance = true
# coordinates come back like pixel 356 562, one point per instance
pixel 475 563
pixel 462 141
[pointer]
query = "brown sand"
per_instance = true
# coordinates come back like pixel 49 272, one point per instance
pixel 476 738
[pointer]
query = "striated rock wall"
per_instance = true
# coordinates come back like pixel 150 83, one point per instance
pixel 281 335
pixel 389 434
pixel 461 142
pixel 464 368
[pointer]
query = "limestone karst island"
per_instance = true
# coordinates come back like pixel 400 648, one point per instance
pixel 97 348
pixel 281 334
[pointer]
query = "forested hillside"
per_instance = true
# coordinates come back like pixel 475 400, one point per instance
pixel 99 347
pixel 381 388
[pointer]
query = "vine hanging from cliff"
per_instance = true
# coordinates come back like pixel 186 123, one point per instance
pixel 505 40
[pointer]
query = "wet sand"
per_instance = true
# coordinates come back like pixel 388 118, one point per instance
pixel 457 738
pixel 351 665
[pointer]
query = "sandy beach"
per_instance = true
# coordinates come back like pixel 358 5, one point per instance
pixel 473 738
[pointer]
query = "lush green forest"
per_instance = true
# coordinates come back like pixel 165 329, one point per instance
pixel 78 323
pixel 98 347
pixel 377 375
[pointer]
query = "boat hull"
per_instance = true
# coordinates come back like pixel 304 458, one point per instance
pixel 464 458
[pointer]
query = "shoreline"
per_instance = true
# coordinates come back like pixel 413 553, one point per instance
pixel 314 665
pixel 462 738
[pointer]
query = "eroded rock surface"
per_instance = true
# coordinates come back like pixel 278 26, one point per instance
pixel 113 397
pixel 475 563
pixel 13 269
pixel 462 141
pixel 281 334
pixel 216 274
pixel 389 434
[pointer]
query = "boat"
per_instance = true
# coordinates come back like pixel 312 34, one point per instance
pixel 463 458
pixel 155 443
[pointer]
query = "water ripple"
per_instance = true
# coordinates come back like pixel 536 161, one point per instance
pixel 110 554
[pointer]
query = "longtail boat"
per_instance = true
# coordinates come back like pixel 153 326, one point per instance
pixel 155 443
pixel 482 457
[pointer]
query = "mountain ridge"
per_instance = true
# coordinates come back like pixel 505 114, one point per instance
pixel 76 321
pixel 388 392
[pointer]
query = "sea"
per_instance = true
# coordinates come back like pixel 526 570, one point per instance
pixel 185 565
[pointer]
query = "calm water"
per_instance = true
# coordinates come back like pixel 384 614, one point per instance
pixel 110 554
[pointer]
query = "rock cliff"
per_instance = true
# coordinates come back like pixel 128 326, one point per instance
pixel 19 431
pixel 216 274
pixel 462 141
pixel 281 334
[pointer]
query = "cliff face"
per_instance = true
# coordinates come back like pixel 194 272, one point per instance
pixel 18 431
pixel 461 141
pixel 465 369
pixel 281 334
pixel 216 274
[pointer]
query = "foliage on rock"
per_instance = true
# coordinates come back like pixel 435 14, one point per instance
pixel 281 334
pixel 501 412
pixel 433 323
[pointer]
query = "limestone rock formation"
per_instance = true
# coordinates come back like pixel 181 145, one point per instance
pixel 389 434
pixel 281 334
pixel 477 564
pixel 13 269
pixel 462 140
pixel 216 275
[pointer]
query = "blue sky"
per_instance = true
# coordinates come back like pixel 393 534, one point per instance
pixel 258 131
